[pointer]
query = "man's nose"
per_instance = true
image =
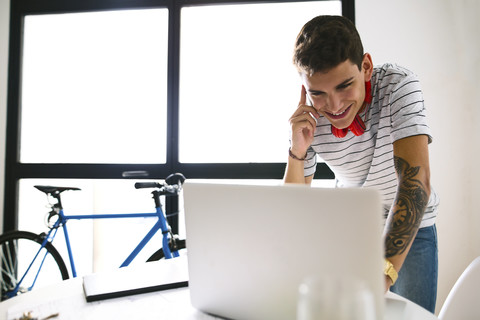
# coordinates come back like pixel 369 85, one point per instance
pixel 333 103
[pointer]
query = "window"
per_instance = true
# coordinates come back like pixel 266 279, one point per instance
pixel 101 89
pixel 242 114
pixel 94 87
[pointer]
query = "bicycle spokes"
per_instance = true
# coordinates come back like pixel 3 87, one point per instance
pixel 21 260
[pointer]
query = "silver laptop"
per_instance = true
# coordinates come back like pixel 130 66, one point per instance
pixel 250 247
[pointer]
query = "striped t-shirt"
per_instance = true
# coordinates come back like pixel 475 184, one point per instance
pixel 397 111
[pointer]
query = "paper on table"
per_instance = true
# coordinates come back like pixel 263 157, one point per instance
pixel 150 277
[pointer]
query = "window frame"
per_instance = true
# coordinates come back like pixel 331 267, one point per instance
pixel 14 170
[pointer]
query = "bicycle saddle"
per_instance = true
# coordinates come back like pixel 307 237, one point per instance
pixel 50 189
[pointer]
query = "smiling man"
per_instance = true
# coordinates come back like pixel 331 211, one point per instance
pixel 368 124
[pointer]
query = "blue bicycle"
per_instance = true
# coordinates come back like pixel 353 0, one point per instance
pixel 28 258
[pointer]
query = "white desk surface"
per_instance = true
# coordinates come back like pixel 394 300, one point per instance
pixel 68 300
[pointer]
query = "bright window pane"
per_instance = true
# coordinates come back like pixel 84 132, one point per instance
pixel 238 86
pixel 94 87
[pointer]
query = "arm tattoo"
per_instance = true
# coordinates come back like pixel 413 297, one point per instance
pixel 407 210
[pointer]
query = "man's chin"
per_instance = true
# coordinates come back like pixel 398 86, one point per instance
pixel 341 125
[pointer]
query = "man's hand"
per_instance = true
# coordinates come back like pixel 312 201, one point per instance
pixel 303 126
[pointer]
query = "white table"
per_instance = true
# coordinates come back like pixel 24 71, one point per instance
pixel 68 300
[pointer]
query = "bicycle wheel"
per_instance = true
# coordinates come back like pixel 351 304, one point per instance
pixel 181 247
pixel 17 251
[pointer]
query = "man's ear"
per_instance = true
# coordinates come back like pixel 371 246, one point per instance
pixel 367 66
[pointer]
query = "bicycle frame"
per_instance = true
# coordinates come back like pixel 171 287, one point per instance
pixel 161 224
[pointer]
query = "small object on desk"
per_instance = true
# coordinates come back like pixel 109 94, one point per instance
pixel 29 316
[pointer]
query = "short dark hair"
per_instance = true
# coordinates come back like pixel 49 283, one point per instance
pixel 326 41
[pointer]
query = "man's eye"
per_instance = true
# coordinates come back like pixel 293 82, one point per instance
pixel 344 86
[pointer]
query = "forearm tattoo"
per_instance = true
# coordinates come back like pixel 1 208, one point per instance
pixel 407 210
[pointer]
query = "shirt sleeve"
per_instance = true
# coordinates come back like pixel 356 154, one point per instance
pixel 408 114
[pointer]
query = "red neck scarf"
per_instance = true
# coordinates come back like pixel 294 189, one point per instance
pixel 358 125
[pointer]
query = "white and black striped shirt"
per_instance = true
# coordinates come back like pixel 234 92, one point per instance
pixel 397 111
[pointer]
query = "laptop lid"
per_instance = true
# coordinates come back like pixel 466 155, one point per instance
pixel 250 247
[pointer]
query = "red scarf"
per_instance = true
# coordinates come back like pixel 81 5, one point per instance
pixel 357 126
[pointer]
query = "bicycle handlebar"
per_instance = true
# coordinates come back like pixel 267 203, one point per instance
pixel 142 185
pixel 173 183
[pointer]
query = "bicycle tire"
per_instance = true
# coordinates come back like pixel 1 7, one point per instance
pixel 17 249
pixel 181 246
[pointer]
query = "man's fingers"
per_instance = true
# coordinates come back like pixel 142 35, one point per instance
pixel 302 119
pixel 303 97
pixel 305 127
pixel 304 109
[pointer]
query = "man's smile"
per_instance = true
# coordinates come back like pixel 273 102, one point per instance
pixel 339 115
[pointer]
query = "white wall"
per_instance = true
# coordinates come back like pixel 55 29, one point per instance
pixel 438 40
pixel 4 26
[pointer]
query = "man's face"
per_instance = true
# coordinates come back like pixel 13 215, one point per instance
pixel 339 93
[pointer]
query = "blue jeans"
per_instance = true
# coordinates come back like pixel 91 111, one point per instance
pixel 417 279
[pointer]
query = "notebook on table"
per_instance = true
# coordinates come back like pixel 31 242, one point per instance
pixel 250 247
pixel 144 278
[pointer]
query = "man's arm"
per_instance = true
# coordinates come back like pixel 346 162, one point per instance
pixel 303 125
pixel 294 173
pixel 413 173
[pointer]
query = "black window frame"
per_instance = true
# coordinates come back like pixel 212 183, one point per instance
pixel 14 170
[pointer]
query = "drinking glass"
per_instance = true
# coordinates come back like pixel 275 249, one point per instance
pixel 335 298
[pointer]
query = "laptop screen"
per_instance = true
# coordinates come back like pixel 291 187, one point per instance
pixel 250 247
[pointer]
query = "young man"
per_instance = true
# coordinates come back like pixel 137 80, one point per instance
pixel 368 124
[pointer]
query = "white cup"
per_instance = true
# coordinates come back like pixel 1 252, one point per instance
pixel 334 298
